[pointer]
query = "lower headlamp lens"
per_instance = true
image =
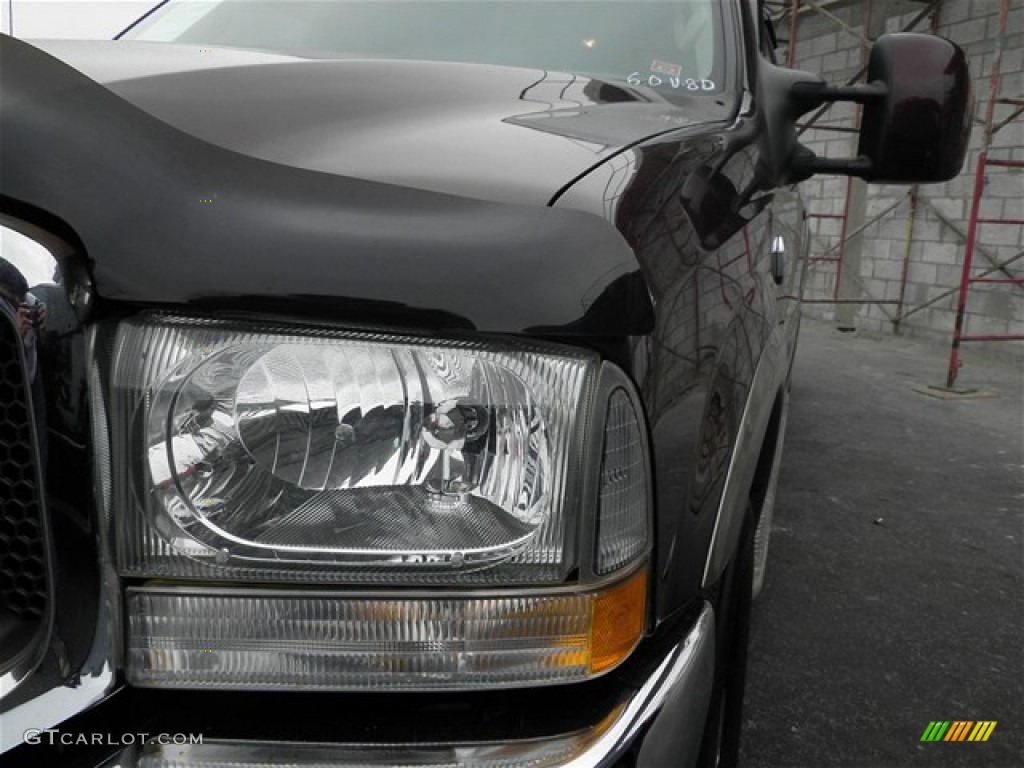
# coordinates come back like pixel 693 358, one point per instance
pixel 196 638
pixel 551 752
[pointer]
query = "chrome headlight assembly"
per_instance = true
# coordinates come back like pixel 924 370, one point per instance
pixel 266 464
pixel 265 455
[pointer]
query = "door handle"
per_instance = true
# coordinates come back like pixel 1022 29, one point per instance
pixel 778 259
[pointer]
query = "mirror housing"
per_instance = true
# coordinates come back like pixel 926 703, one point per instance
pixel 918 107
pixel 919 132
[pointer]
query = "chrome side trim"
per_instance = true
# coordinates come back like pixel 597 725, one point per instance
pixel 771 371
pixel 762 536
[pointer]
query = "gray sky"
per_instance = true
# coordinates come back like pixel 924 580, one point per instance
pixel 95 19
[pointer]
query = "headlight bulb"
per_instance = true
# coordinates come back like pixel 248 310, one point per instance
pixel 447 429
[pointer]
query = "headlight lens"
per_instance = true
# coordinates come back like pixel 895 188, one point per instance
pixel 246 454
pixel 343 457
pixel 624 505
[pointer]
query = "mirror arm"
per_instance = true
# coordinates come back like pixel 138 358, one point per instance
pixel 813 94
pixel 809 95
pixel 806 164
pixel 916 113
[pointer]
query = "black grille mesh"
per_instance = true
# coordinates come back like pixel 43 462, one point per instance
pixel 22 556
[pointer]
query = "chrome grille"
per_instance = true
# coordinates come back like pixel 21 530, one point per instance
pixel 23 589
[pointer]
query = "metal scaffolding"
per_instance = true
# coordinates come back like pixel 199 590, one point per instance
pixel 985 162
pixel 786 14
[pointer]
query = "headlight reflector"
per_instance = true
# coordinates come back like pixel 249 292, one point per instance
pixel 340 457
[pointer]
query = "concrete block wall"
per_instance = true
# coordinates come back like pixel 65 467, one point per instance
pixel 931 252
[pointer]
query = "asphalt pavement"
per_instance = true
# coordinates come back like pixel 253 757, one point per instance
pixel 894 594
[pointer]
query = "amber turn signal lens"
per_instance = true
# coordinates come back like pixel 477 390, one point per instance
pixel 251 639
pixel 617 622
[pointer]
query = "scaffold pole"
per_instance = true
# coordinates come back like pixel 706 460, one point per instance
pixel 983 163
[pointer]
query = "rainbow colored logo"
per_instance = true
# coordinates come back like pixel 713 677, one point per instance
pixel 958 730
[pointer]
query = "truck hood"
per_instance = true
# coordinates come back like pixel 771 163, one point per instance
pixel 164 218
pixel 492 133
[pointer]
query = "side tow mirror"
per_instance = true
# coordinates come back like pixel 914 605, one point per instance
pixel 919 131
pixel 918 108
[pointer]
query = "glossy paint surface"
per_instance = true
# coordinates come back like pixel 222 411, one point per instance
pixel 919 131
pixel 701 222
pixel 230 231
pixel 640 230
pixel 491 133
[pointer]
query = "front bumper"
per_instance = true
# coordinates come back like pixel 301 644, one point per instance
pixel 653 717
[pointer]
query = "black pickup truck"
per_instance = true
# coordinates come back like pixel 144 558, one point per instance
pixel 404 383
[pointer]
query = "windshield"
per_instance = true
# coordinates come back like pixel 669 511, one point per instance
pixel 670 45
